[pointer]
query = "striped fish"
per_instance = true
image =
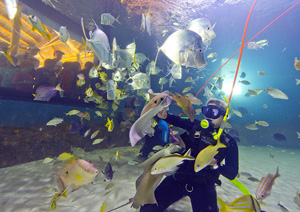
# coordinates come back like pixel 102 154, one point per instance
pixel 206 155
pixel 169 164
pixel 297 64
pixel 265 186
pixel 246 203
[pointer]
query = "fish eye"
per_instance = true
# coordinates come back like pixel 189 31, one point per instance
pixel 67 172
pixel 155 101
pixel 207 28
pixel 200 50
pixel 161 99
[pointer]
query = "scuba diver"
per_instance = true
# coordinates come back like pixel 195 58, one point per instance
pixel 199 186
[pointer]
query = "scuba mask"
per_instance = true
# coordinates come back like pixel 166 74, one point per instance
pixel 212 111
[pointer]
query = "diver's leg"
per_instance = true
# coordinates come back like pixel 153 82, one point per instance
pixel 168 192
pixel 204 198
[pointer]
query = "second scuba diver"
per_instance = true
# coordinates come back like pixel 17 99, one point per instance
pixel 199 186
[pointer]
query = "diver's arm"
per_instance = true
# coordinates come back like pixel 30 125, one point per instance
pixel 179 122
pixel 231 167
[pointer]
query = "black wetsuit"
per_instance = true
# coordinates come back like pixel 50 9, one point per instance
pixel 200 186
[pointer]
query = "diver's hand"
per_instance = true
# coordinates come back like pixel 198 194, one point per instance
pixel 163 114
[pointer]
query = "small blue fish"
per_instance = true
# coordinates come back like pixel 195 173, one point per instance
pixel 243 75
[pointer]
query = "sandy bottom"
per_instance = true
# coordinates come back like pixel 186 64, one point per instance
pixel 30 187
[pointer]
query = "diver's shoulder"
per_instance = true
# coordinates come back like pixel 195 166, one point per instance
pixel 228 139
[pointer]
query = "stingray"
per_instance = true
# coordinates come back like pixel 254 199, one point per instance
pixel 184 47
pixel 142 126
pixel 147 183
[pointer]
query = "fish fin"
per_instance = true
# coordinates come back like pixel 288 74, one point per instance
pixel 58 88
pixel 188 153
pixel 59 182
pixel 158 50
pixel 149 12
pixel 48 35
pixel 117 20
pixel 7 55
pixel 256 122
pixel 223 205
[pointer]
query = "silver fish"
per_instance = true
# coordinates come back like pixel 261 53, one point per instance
pixel 121 59
pixel 264 188
pixel 111 88
pixel 108 19
pixel 143 23
pixel 148 24
pixel 184 48
pixel 64 35
pixel 142 126
pixel 276 93
pixel 99 43
pixel 203 28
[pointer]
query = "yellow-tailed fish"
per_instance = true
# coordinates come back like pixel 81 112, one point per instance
pixel 72 112
pixel 297 64
pixel 246 203
pixel 170 163
pixel 110 124
pixel 206 155
pixel 102 207
pixel 66 156
pixel 95 134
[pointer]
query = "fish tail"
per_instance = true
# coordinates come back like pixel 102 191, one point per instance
pixel 277 172
pixel 58 88
pixel 223 205
pixel 117 20
pixel 7 55
pixel 255 122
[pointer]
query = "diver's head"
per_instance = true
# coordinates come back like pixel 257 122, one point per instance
pixel 215 111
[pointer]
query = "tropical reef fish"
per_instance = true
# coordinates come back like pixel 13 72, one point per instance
pixel 54 122
pixel 261 73
pixel 206 155
pixel 76 174
pixel 108 172
pixel 245 203
pixel 262 123
pixel 110 124
pixel 143 23
pixel 283 209
pixel 184 47
pixel 64 35
pixel 45 93
pixel 176 71
pixel 97 141
pixel 185 104
pixel 99 43
pixel 204 29
pixel 66 156
pixel 108 19
pixel 251 126
pixel 264 188
pixel 130 48
pixel 39 26
pixel 279 137
pixel 257 45
pixel 111 89
pixel 245 82
pixel 243 75
pixel 169 164
pixel 142 126
pixel 121 59
pixel 276 93
pixel 140 81
pixel 297 64
pixel 148 22
pixel 212 55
